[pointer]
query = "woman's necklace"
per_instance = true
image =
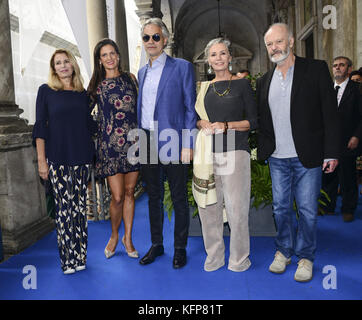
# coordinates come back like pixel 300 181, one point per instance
pixel 226 92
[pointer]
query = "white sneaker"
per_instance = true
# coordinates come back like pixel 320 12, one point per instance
pixel 69 271
pixel 79 268
pixel 280 263
pixel 304 272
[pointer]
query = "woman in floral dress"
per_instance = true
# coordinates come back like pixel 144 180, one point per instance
pixel 115 93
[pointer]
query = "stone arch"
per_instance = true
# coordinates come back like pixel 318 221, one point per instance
pixel 243 22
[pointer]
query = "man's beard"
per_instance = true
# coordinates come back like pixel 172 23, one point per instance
pixel 341 76
pixel 282 58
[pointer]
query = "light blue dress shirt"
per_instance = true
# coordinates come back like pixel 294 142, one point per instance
pixel 149 93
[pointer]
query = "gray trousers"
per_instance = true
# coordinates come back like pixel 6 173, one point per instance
pixel 233 188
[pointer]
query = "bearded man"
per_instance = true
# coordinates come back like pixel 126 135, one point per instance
pixel 299 137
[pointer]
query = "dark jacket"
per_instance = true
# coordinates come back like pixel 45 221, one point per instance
pixel 314 117
pixel 350 116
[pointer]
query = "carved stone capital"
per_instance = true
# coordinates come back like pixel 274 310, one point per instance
pixel 10 122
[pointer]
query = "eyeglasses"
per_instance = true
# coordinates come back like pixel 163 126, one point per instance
pixel 339 65
pixel 156 37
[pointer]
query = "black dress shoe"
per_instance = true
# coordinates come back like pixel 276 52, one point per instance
pixel 179 259
pixel 152 254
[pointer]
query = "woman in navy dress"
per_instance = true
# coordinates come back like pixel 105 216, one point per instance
pixel 62 133
pixel 115 93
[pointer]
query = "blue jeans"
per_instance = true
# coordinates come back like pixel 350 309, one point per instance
pixel 291 180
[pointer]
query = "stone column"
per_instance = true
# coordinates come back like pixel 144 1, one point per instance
pixel 97 23
pixel 1 246
pixel 169 48
pixel 7 94
pixel 23 216
pixel 145 10
pixel 349 29
pixel 358 62
pixel 9 112
pixel 121 33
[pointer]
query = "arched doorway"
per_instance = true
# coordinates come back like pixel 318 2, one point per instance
pixel 243 22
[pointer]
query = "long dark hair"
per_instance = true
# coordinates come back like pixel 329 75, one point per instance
pixel 98 70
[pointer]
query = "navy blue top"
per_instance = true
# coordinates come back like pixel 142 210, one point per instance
pixel 64 121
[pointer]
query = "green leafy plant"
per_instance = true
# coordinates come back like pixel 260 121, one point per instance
pixel 261 184
pixel 322 203
pixel 252 79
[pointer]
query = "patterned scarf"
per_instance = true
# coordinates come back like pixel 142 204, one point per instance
pixel 203 181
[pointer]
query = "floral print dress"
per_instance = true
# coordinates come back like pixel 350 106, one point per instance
pixel 117 103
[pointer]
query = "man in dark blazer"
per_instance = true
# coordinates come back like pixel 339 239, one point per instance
pixel 166 110
pixel 298 135
pixel 350 115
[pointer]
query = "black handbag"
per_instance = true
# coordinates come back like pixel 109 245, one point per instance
pixel 49 196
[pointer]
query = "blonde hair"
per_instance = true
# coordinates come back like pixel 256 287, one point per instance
pixel 77 79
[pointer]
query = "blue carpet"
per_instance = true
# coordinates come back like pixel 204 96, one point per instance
pixel 339 245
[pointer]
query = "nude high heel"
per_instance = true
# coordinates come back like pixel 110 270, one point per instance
pixel 133 254
pixel 110 254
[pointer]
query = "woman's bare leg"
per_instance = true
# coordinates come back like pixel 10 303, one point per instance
pixel 130 181
pixel 117 187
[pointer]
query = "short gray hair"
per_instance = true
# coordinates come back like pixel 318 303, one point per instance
pixel 224 41
pixel 280 24
pixel 349 61
pixel 158 22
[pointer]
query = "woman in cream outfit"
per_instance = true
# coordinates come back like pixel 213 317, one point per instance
pixel 227 112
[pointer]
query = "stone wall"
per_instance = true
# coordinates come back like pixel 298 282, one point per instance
pixel 358 62
pixel 345 39
pixel 23 215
